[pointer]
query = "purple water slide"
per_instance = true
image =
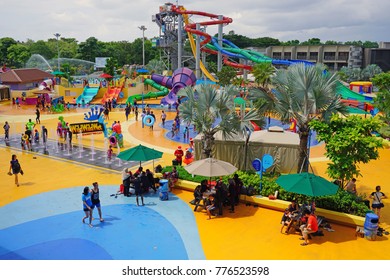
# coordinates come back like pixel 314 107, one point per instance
pixel 162 80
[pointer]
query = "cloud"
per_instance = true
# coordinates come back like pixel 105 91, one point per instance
pixel 118 20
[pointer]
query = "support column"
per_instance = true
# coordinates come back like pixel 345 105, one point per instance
pixel 220 30
pixel 179 40
pixel 197 59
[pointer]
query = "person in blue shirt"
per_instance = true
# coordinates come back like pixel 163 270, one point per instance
pixel 87 205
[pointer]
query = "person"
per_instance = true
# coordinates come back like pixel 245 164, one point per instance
pixel 87 205
pixel 44 134
pixel 377 203
pixel 30 125
pixel 109 153
pixel 38 115
pixel 135 111
pixel 96 200
pixel 179 155
pixel 351 186
pixel 143 114
pixel 6 131
pixel 239 186
pixel 106 113
pixel 173 177
pixel 220 195
pixel 127 176
pixel 211 206
pixel 286 219
pixel 186 133
pixel 69 135
pixel 310 227
pixel 127 111
pixel 36 136
pixel 138 189
pixel 150 176
pixel 163 118
pixel 17 102
pixel 232 194
pixel 154 119
pixel 16 168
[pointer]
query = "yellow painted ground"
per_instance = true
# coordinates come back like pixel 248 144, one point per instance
pixel 250 233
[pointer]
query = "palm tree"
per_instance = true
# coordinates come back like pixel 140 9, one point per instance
pixel 205 106
pixel 263 73
pixel 302 93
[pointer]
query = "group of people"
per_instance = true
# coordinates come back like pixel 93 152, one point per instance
pixel 91 199
pixel 214 198
pixel 138 183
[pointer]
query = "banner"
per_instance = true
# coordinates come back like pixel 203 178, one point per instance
pixel 88 127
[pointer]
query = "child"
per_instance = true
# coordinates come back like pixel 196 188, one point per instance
pixel 286 219
pixel 173 130
pixel 36 136
pixel 186 133
pixel 211 206
pixel 109 153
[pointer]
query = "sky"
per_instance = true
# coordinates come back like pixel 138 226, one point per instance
pixel 119 20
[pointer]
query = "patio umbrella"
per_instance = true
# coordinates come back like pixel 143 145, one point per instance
pixel 307 184
pixel 105 76
pixel 139 153
pixel 210 167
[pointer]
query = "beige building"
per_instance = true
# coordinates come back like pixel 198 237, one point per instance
pixel 334 56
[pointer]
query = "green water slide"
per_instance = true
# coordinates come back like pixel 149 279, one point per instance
pixel 346 93
pixel 151 94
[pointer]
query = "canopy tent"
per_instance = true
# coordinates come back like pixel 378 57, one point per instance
pixel 282 145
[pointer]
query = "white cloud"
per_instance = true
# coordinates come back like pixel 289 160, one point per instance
pixel 118 20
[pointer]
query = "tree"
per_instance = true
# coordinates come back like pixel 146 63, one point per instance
pixel 301 93
pixel 263 73
pixel 111 66
pixel 155 66
pixel 90 49
pixel 205 105
pixel 18 55
pixel 349 141
pixel 226 75
pixel 5 43
pixel 382 100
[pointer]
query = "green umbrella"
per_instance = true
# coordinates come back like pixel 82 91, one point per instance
pixel 139 153
pixel 307 184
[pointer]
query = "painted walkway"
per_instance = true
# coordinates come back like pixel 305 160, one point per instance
pixel 41 219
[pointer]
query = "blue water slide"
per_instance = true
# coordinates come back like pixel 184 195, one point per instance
pixel 88 94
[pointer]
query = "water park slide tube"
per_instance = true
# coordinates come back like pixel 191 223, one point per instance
pixel 163 91
pixel 88 94
pixel 47 84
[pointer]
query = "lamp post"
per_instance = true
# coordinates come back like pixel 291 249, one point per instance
pixel 57 35
pixel 143 28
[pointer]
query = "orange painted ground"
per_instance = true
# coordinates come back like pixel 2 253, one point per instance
pixel 250 233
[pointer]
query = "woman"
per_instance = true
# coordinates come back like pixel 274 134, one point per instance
pixel 16 169
pixel 87 205
pixel 377 203
pixel 173 177
pixel 96 200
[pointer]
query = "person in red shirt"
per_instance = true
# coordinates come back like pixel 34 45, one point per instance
pixel 179 155
pixel 310 227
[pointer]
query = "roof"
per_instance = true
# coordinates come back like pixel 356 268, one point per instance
pixel 21 76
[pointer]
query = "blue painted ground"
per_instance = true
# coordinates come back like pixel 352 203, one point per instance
pixel 49 228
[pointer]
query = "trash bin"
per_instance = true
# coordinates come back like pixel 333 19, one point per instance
pixel 371 226
pixel 163 189
pixel 175 162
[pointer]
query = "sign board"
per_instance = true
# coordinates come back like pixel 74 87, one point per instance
pixel 100 62
pixel 87 127
pixel 256 163
pixel 268 161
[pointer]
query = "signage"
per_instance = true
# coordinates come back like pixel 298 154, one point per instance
pixel 267 161
pixel 256 163
pixel 88 127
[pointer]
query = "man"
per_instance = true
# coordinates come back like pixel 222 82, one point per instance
pixel 351 186
pixel 95 199
pixel 179 155
pixel 310 227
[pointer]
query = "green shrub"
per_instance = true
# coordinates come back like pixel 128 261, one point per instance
pixel 342 201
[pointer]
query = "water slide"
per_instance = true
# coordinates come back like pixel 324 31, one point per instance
pixel 88 94
pixel 111 93
pixel 163 91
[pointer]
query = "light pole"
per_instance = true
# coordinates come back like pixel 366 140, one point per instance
pixel 57 35
pixel 143 28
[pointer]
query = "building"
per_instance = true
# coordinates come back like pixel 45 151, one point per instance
pixel 24 79
pixel 333 56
